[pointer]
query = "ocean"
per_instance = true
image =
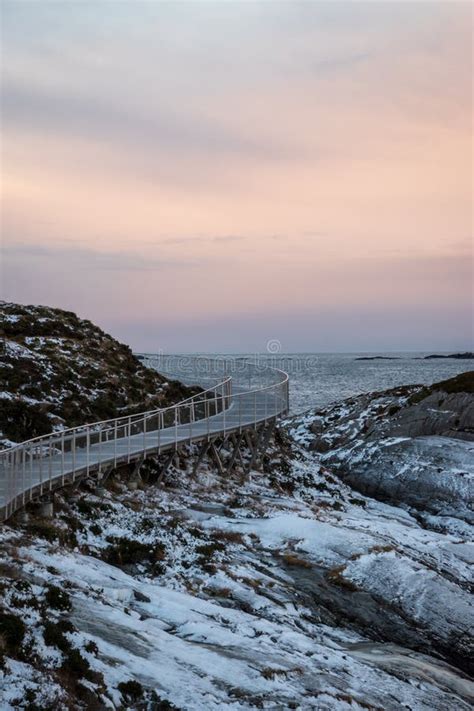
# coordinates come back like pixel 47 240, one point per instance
pixel 319 379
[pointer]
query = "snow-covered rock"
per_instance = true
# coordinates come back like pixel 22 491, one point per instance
pixel 431 473
pixel 287 590
pixel 412 445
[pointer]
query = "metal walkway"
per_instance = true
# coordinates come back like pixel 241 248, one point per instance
pixel 242 396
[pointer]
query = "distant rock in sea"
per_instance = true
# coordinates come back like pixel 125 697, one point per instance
pixel 378 358
pixel 457 356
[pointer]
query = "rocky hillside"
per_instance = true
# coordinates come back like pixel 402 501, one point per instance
pixel 58 370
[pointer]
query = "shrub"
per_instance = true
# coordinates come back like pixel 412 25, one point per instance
pixel 84 507
pixel 45 530
pixel 66 626
pixel 230 536
pixel 13 630
pixel 336 577
pixel 20 420
pixel 92 648
pixel 158 704
pixel 131 690
pixel 57 599
pixel 207 550
pixel 51 533
pixel 19 602
pixel 358 502
pixel 22 585
pixel 381 549
pixel 54 637
pixel 293 560
pixel 126 552
pixel 76 664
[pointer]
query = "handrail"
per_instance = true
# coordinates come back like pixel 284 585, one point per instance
pixel 138 415
pixel 40 464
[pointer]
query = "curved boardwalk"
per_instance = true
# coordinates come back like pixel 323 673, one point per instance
pixel 243 397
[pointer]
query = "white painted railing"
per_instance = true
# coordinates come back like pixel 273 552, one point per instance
pixel 242 395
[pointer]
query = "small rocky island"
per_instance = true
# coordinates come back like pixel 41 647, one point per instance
pixel 455 356
pixel 336 576
pixel 468 355
pixel 379 357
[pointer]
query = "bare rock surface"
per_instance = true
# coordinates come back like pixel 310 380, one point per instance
pixel 412 445
pixel 430 473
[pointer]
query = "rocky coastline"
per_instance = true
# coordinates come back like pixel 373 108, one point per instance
pixel 337 575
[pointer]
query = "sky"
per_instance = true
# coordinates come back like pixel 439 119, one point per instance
pixel 212 176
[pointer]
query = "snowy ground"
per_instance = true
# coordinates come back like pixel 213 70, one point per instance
pixel 288 590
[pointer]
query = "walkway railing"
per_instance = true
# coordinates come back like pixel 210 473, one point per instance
pixel 242 395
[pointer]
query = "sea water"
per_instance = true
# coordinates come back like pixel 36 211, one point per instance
pixel 316 379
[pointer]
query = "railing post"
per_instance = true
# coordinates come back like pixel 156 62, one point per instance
pixel 129 435
pixel 50 466
pixel 88 446
pixel 176 409
pixel 100 447
pixel 23 467
pixel 144 436
pixel 73 455
pixel 31 464
pixel 62 457
pixel 8 472
pixel 224 407
pixel 41 466
pixel 11 469
pixel 115 443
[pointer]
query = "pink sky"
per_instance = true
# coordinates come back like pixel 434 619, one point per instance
pixel 209 176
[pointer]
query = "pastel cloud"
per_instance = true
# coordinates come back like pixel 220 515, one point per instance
pixel 264 157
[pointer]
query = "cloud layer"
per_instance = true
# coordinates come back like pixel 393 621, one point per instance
pixel 220 164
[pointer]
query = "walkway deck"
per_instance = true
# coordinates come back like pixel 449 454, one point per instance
pixel 38 466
